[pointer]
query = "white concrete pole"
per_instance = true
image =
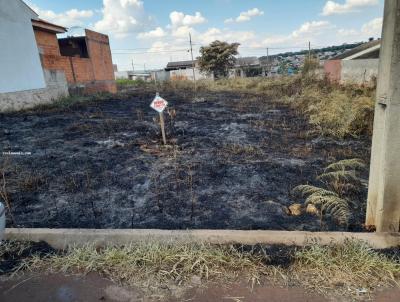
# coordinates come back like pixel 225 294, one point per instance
pixel 383 209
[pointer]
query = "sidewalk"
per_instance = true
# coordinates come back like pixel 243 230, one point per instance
pixel 94 288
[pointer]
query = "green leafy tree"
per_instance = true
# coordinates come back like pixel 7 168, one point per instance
pixel 218 57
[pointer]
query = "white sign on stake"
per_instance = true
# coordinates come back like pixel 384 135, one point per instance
pixel 159 104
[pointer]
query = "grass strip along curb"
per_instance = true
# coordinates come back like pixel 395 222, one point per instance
pixel 346 267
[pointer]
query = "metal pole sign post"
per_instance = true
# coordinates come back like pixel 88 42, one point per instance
pixel 159 105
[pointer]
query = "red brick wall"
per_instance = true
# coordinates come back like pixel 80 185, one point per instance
pixel 51 62
pixel 100 55
pixel 96 73
pixel 47 42
pixel 82 69
pixel 333 70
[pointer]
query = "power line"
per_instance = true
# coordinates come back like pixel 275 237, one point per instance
pixel 146 52
pixel 162 49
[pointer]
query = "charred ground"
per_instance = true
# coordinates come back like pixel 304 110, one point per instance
pixel 231 163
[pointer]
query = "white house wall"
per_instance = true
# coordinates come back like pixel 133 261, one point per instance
pixel 361 71
pixel 20 66
pixel 187 74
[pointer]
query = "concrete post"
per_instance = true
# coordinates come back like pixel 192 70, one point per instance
pixel 383 209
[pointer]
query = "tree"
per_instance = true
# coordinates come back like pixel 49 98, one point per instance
pixel 310 66
pixel 218 57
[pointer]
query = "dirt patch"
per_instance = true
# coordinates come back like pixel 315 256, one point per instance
pixel 94 288
pixel 242 292
pixel 231 163
pixel 61 288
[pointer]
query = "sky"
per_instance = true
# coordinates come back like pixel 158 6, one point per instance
pixel 149 33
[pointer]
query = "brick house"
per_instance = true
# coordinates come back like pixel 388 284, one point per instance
pixel 23 81
pixel 86 61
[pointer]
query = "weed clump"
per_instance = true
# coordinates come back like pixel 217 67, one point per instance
pixel 353 266
pixel 335 112
pixel 341 183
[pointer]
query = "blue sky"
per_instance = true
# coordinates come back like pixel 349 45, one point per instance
pixel 152 32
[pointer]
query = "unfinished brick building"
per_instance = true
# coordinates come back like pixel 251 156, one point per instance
pixel 86 61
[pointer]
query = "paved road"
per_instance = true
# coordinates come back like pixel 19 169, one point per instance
pixel 93 288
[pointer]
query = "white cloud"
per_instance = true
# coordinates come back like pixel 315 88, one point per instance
pixel 347 32
pixel 314 27
pixel 122 17
pixel 213 34
pixel 373 28
pixel 69 18
pixel 156 33
pixel 246 16
pixel 180 19
pixel 181 25
pixel 182 32
pixel 333 8
pixel 308 31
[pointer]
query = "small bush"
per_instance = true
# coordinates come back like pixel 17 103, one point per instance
pixel 336 112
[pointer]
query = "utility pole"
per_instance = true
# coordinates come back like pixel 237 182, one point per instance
pixel 133 66
pixel 383 208
pixel 193 63
pixel 268 65
pixel 309 51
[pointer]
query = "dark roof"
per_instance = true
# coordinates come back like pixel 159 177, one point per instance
pixel 356 50
pixel 47 26
pixel 246 61
pixel 181 64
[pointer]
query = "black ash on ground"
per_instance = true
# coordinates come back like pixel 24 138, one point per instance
pixel 231 163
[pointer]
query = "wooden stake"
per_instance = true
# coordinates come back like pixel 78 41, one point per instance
pixel 162 124
pixel 193 64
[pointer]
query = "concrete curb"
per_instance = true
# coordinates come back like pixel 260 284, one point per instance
pixel 62 238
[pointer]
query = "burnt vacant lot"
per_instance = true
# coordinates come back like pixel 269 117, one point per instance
pixel 231 162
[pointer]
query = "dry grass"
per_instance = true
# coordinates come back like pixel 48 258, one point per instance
pixel 67 102
pixel 272 87
pixel 351 267
pixel 159 262
pixel 334 110
pixel 241 150
pixel 344 268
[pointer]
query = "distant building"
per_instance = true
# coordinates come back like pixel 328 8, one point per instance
pixel 133 75
pixel 247 67
pixel 37 67
pixel 358 65
pixel 183 70
pixel 181 65
pixel 23 82
pixel 85 60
